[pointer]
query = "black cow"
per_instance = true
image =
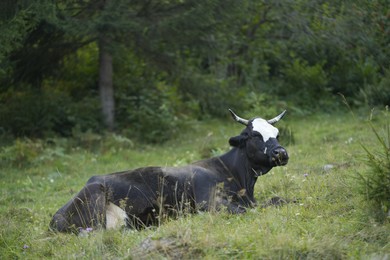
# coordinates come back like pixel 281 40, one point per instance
pixel 140 197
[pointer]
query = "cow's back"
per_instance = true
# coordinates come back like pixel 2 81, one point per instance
pixel 145 191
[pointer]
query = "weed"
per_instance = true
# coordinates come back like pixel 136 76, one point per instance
pixel 376 181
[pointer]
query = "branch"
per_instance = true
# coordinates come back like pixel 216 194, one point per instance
pixel 252 31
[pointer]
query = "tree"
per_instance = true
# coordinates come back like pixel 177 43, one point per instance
pixel 106 88
pixel 199 55
pixel 156 31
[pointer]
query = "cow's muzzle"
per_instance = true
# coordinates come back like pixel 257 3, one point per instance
pixel 279 156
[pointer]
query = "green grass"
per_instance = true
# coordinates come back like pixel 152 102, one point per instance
pixel 331 219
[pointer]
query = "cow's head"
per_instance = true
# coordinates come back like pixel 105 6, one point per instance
pixel 260 140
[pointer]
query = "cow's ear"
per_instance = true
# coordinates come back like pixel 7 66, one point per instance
pixel 238 141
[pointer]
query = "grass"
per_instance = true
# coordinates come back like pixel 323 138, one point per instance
pixel 330 220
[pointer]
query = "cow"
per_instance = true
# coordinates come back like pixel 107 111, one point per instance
pixel 140 197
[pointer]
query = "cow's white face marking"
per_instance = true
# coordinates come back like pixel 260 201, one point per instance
pixel 265 129
pixel 115 216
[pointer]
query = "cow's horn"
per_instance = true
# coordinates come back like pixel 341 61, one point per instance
pixel 277 118
pixel 238 119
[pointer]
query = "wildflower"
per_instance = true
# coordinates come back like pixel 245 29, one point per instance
pixel 25 247
pixel 89 229
pixel 86 230
pixel 305 175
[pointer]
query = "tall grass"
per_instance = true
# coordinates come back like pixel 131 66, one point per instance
pixel 376 181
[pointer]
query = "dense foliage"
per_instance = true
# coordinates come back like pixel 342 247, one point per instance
pixel 184 59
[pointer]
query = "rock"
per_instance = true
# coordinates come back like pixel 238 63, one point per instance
pixel 328 167
pixel 152 248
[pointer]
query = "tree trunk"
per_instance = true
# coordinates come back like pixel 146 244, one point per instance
pixel 106 88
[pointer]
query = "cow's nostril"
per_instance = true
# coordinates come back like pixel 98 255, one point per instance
pixel 280 154
pixel 277 151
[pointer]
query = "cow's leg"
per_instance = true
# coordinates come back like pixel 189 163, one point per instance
pixel 233 208
pixel 210 201
pixel 86 209
pixel 213 198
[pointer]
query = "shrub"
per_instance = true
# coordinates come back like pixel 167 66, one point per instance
pixel 21 153
pixel 376 181
pixel 147 115
pixel 305 84
pixel 85 115
pixel 40 113
pixel 26 152
pixel 262 105
pixel 33 113
pixel 211 96
pixel 376 94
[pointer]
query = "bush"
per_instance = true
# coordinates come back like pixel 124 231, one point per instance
pixel 21 153
pixel 147 115
pixel 34 113
pixel 43 113
pixel 26 152
pixel 85 115
pixel 262 105
pixel 375 182
pixel 305 84
pixel 210 96
pixel 377 93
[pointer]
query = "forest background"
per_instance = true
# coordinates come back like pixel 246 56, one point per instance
pixel 140 68
pixel 97 86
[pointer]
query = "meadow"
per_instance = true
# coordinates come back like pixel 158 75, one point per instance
pixel 329 218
